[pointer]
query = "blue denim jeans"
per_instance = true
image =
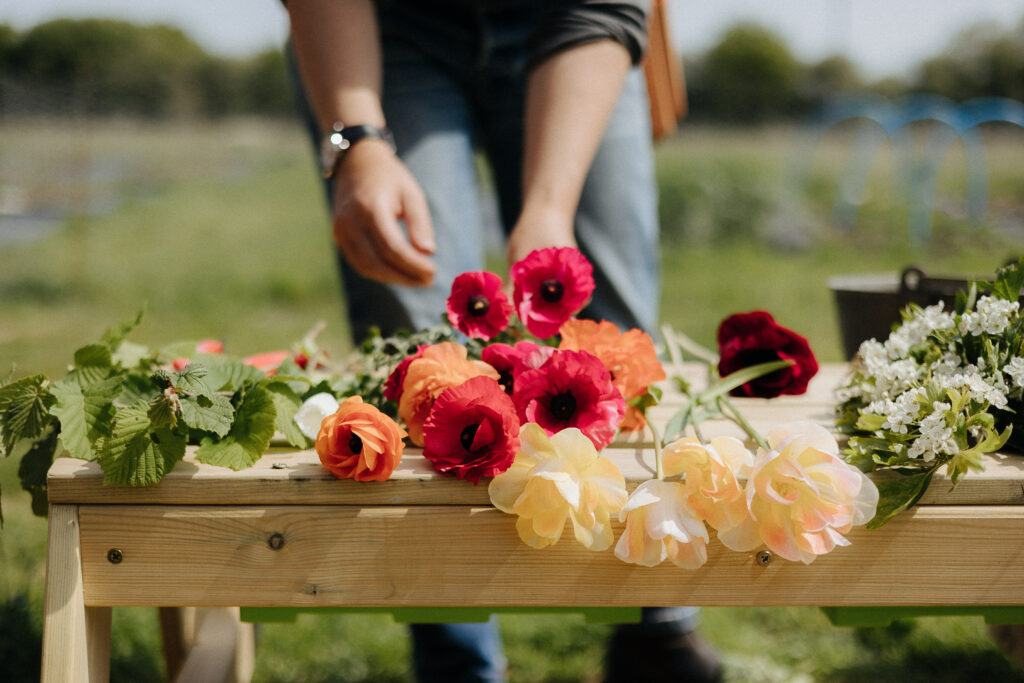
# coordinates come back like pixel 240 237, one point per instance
pixel 452 89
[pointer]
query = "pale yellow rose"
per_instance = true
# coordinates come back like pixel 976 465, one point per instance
pixel 559 478
pixel 802 496
pixel 660 526
pixel 713 476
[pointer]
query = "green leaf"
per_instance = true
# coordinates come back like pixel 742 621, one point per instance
pixel 249 436
pixel 164 409
pixel 739 378
pixel 899 494
pixel 114 335
pixel 191 380
pixel 98 355
pixel 213 413
pixel 24 410
pixel 85 415
pixel 225 374
pixel 130 355
pixel 678 422
pixel 286 404
pixel 1009 281
pixel 135 454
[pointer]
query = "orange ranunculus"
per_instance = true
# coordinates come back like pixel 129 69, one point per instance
pixel 438 367
pixel 629 356
pixel 360 442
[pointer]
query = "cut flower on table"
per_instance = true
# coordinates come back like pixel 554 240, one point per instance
pixel 523 397
pixel 943 389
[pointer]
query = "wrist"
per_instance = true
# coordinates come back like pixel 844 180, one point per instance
pixel 337 143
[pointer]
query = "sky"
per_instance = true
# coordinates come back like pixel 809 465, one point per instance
pixel 883 37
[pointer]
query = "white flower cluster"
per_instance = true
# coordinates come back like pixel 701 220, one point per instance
pixel 936 436
pixel 893 385
pixel 990 316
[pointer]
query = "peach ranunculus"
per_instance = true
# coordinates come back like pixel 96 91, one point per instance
pixel 436 368
pixel 557 479
pixel 359 442
pixel 802 496
pixel 660 526
pixel 713 477
pixel 629 356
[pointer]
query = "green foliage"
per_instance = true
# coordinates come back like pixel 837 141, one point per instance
pixel 250 433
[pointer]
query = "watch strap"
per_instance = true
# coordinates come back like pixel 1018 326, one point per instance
pixel 341 138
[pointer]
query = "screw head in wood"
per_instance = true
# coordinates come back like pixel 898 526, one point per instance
pixel 115 555
pixel 764 558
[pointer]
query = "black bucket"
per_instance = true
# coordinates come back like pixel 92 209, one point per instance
pixel 869 305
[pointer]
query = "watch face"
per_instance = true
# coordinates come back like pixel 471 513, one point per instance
pixel 331 150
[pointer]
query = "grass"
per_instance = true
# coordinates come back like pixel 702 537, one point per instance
pixel 220 231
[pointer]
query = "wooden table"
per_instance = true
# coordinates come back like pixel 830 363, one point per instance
pixel 286 533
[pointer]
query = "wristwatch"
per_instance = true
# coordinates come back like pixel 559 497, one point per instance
pixel 341 138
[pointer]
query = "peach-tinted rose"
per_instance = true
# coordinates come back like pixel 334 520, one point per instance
pixel 438 367
pixel 660 526
pixel 629 356
pixel 713 477
pixel 557 479
pixel 360 442
pixel 802 496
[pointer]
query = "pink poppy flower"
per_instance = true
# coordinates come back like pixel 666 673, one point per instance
pixel 472 430
pixel 571 389
pixel 550 286
pixel 477 307
pixel 393 384
pixel 509 360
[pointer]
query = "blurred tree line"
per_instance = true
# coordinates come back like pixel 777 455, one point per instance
pixel 100 67
pixel 108 67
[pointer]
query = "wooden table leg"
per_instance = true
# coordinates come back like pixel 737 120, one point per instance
pixel 76 638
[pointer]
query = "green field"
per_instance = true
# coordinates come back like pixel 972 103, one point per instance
pixel 220 231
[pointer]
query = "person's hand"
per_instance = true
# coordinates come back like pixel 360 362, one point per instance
pixel 373 191
pixel 539 230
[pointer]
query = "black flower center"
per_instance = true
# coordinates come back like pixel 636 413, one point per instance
pixel 466 437
pixel 477 305
pixel 355 444
pixel 562 406
pixel 551 291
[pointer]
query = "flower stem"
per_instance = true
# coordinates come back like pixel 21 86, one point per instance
pixel 659 470
pixel 738 418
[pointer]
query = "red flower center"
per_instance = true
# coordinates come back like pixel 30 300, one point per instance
pixel 467 435
pixel 562 406
pixel 355 444
pixel 551 291
pixel 477 305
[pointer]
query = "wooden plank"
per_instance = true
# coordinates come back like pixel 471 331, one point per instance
pixel 296 477
pixel 334 555
pixel 76 638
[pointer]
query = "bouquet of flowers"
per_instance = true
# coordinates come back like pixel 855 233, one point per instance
pixel 516 390
pixel 945 388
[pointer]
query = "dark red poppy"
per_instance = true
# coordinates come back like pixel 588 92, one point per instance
pixel 549 287
pixel 472 430
pixel 571 389
pixel 509 360
pixel 746 339
pixel 393 384
pixel 477 306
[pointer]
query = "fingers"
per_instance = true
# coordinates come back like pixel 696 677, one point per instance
pixel 417 220
pixel 376 248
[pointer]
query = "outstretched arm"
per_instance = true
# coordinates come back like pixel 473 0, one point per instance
pixel 570 98
pixel 338 50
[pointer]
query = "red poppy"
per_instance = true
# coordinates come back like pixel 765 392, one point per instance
pixel 472 431
pixel 550 286
pixel 572 389
pixel 477 307
pixel 268 362
pixel 510 360
pixel 746 339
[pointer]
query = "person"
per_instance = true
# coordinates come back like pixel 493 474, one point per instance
pixel 398 97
